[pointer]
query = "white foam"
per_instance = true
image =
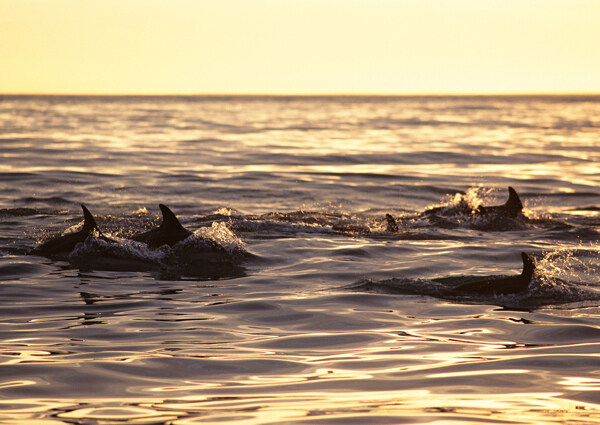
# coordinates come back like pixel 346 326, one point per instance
pixel 219 233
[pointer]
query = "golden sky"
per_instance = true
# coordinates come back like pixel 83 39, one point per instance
pixel 299 46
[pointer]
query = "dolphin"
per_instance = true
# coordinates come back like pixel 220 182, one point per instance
pixel 66 243
pixel 392 226
pixel 503 285
pixel 168 233
pixel 512 208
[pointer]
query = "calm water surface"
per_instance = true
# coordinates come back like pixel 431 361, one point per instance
pixel 331 319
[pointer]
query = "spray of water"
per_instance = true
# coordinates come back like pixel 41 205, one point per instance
pixel 220 233
pixel 472 199
pixel 578 265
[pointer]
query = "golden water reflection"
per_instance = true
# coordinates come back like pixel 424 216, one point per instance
pixel 388 407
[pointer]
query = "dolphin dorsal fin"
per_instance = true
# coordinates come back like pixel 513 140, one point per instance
pixel 528 266
pixel 89 223
pixel 169 221
pixel 513 205
pixel 392 226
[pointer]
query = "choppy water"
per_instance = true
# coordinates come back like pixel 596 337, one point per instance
pixel 330 318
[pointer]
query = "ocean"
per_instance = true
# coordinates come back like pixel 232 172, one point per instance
pixel 319 313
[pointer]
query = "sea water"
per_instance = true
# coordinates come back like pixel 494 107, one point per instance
pixel 330 317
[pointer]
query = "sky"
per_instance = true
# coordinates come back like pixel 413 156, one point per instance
pixel 299 46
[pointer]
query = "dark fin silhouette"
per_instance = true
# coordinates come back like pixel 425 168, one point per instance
pixel 392 226
pixel 528 266
pixel 169 232
pixel 89 225
pixel 504 285
pixel 169 221
pixel 513 206
pixel 89 222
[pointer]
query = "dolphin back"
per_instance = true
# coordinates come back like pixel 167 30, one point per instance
pixel 66 243
pixel 504 285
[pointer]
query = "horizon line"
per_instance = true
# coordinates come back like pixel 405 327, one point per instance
pixel 323 94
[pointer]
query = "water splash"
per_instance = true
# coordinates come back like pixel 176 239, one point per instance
pixel 141 211
pixel 466 203
pixel 580 265
pixel 228 212
pixel 74 228
pixel 124 249
pixel 328 208
pixel 221 234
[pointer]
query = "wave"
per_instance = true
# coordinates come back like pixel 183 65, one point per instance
pixel 51 200
pixel 18 212
pixel 453 212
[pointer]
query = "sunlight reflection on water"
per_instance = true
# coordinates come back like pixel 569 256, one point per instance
pixel 334 319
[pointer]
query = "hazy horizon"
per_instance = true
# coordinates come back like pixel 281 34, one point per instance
pixel 349 94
